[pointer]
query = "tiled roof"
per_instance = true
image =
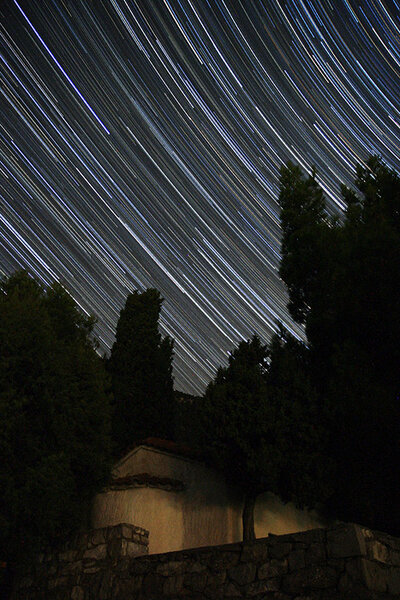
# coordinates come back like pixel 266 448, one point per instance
pixel 167 446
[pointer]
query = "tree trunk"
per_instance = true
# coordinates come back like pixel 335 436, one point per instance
pixel 248 516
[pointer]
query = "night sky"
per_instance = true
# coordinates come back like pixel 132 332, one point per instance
pixel 140 144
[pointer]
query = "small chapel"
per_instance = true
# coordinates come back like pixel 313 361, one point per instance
pixel 166 489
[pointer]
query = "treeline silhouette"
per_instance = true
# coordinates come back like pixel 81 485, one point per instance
pixel 316 422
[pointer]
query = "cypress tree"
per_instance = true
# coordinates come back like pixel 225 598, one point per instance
pixel 343 277
pixel 141 369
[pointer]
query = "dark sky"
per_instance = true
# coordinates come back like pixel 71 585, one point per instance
pixel 140 144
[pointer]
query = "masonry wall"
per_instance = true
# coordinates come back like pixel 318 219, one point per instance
pixel 341 563
pixel 86 567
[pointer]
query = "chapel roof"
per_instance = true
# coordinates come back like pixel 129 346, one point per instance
pixel 167 446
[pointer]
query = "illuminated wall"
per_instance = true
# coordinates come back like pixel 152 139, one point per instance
pixel 184 504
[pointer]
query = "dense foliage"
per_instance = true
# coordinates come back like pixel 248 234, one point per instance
pixel 315 422
pixel 319 422
pixel 259 426
pixel 343 278
pixel 54 416
pixel 141 369
pixel 236 424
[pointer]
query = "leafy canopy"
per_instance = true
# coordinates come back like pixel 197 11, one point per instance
pixel 259 424
pixel 343 277
pixel 54 415
pixel 237 418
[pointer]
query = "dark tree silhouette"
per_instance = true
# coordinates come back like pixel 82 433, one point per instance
pixel 54 416
pixel 261 431
pixel 141 369
pixel 235 420
pixel 343 277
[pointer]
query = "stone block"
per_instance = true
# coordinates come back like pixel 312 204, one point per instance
pixel 279 549
pixel 92 568
pixel 139 531
pixel 127 531
pixel 105 581
pixel 173 585
pixel 97 537
pixel 309 536
pixel 209 593
pixel 372 575
pixel 96 553
pixel 315 553
pixel 140 566
pixel 194 566
pixel 273 568
pixel 223 560
pixel 378 551
pixel 376 575
pixel 394 557
pixel 173 567
pixel 61 581
pixel 215 580
pixel 356 569
pixel 296 560
pixel 338 564
pixel 121 565
pixel 52 569
pixel 132 549
pixel 140 539
pixel 114 548
pixel 77 593
pixel 195 581
pixel 123 589
pixel 256 588
pixel 231 591
pixel 393 581
pixel 112 533
pixel 346 541
pixel 80 541
pixel 243 573
pixel 73 567
pixel 256 552
pixel 336 595
pixel 309 579
pixel 115 531
pixel 67 556
pixel 350 588
pixel 124 546
pixel 153 585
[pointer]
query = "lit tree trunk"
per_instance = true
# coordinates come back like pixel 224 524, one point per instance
pixel 248 516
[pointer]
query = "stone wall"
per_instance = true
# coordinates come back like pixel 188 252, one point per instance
pixel 347 562
pixel 84 568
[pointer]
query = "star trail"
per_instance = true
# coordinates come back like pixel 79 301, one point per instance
pixel 140 143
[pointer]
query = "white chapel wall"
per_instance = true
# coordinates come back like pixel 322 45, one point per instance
pixel 207 512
